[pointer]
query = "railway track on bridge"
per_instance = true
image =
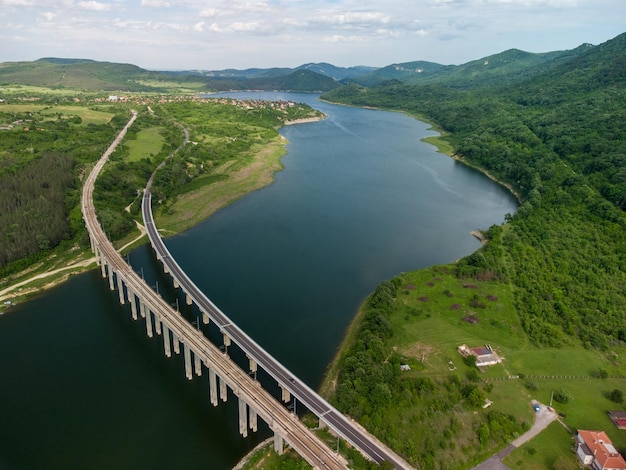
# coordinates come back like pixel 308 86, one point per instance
pixel 161 316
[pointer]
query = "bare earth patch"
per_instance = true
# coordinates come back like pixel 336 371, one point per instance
pixel 418 350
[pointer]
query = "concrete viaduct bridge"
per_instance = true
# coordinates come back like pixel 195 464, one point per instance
pixel 199 352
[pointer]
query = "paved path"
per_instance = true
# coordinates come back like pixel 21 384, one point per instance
pixel 542 419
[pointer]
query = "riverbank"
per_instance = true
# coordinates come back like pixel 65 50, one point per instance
pixel 243 177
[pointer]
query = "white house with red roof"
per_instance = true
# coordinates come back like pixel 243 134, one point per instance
pixel 594 448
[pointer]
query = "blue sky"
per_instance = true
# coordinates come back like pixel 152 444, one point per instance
pixel 219 34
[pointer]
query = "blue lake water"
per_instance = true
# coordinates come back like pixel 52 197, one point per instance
pixel 360 200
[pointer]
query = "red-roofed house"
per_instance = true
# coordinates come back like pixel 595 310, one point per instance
pixel 596 449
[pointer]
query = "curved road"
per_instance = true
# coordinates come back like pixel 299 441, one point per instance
pixel 367 444
pixel 280 420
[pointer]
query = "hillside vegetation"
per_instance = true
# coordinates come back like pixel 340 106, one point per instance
pixel 47 147
pixel 558 140
pixel 550 280
pixel 89 75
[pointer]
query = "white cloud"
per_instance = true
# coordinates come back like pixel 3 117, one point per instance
pixel 273 32
pixel 209 13
pixel 93 5
pixel 155 3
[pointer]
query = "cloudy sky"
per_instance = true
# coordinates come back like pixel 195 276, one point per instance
pixel 219 34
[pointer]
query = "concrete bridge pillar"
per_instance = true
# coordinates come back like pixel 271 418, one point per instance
pixel 149 323
pixel 166 341
pixel 110 271
pixel 252 418
pixel 103 266
pixel 133 304
pixel 243 418
pixel 188 299
pixel 212 387
pixel 197 364
pixel 253 365
pixel 176 343
pixel 205 318
pixel 142 308
pixel 278 444
pixel 120 288
pixel 223 390
pixel 285 394
pixel 226 342
pixel 187 353
pixel 157 323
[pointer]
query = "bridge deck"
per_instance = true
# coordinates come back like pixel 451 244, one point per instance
pixel 279 419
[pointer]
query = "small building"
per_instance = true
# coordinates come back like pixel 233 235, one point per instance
pixel 485 355
pixel 594 448
pixel 618 418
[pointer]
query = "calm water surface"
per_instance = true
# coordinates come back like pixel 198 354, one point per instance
pixel 360 200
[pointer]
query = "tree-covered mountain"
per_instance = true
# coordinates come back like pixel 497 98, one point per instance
pixel 301 80
pixel 512 65
pixel 506 67
pixel 84 74
pixel 78 74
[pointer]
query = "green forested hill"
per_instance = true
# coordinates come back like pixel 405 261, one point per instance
pixel 77 74
pixel 511 66
pixel 83 74
pixel 548 290
pixel 558 139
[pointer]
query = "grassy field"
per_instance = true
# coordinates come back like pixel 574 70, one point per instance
pixel 436 312
pixel 88 116
pixel 198 204
pixel 148 142
pixel 554 445
pixel 187 88
pixel 40 90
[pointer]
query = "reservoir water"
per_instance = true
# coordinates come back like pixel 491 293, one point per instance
pixel 360 200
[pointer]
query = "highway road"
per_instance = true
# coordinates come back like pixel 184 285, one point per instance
pixel 279 419
pixel 367 444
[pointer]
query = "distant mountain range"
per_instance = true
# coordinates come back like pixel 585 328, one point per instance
pixel 506 67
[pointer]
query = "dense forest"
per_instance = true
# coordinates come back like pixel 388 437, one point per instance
pixel 42 157
pixel 558 139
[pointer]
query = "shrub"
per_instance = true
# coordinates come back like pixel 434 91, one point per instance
pixel 616 396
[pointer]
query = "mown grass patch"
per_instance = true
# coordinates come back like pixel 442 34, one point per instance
pixel 457 311
pixel 552 448
pixel 441 142
pixel 147 143
pixel 87 115
pixel 35 90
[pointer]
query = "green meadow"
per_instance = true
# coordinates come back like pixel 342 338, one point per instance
pixel 434 312
pixel 48 112
pixel 147 142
